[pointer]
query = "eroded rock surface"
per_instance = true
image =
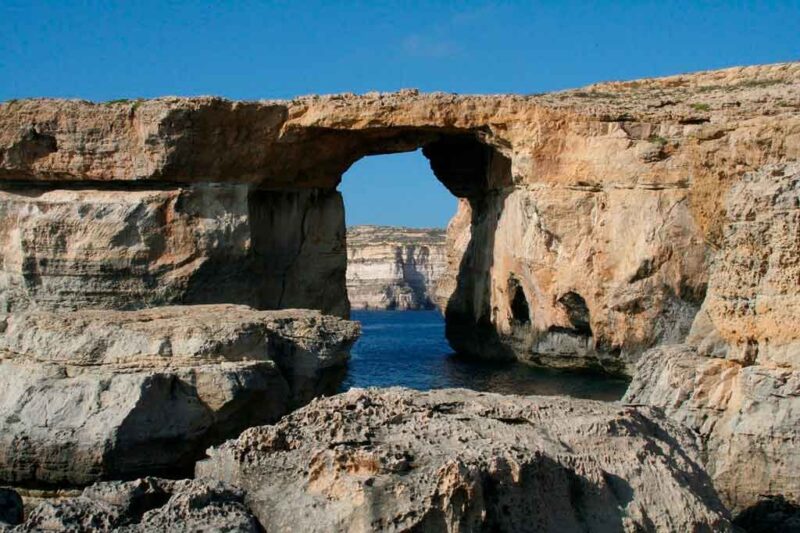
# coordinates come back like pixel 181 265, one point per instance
pixel 586 223
pixel 737 380
pixel 456 460
pixel 90 248
pixel 393 267
pixel 145 505
pixel 747 415
pixel 91 395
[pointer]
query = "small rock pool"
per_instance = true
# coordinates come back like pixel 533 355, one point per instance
pixel 409 349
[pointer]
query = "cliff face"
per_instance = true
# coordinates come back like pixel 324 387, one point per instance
pixel 736 380
pixel 394 268
pixel 587 222
pixel 593 225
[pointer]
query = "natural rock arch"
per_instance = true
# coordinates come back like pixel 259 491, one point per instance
pixel 143 203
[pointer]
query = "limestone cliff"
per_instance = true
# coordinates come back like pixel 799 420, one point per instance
pixel 736 381
pixel 587 217
pixel 394 268
pixel 593 225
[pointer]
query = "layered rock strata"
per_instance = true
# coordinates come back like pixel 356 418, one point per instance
pixel 586 220
pixel 394 268
pixel 84 247
pixel 91 395
pixel 456 460
pixel 737 379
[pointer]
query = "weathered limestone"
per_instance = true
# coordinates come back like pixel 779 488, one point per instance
pixel 92 395
pixel 587 215
pixel 394 268
pixel 622 270
pixel 456 460
pixel 748 417
pixel 145 505
pixel 737 381
pixel 95 248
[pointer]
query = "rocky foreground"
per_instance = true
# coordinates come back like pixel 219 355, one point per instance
pixel 400 460
pixel 394 268
pixel 91 395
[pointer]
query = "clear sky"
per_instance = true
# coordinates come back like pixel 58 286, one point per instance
pixel 103 50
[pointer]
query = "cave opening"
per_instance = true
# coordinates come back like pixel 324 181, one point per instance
pixel 520 311
pixel 577 313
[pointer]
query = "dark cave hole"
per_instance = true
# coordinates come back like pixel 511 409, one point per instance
pixel 577 312
pixel 519 304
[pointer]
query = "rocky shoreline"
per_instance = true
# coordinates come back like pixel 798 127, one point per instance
pixel 173 288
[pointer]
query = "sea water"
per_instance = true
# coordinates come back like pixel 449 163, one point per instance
pixel 409 349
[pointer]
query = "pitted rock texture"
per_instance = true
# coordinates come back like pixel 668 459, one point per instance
pixel 92 395
pixel 145 505
pixel 456 460
pixel 394 268
pixel 748 417
pixel 752 311
pixel 737 381
pixel 586 223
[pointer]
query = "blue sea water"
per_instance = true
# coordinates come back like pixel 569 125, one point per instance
pixel 408 348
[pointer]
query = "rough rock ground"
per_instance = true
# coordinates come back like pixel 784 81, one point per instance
pixel 457 460
pixel 145 505
pixel 92 395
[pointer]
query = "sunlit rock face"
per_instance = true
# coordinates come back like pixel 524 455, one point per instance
pixel 394 267
pixel 736 380
pixel 587 219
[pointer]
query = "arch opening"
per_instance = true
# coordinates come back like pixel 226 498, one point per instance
pixel 469 178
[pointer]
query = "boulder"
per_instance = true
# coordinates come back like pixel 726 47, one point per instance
pixel 457 460
pixel 91 395
pixel 748 417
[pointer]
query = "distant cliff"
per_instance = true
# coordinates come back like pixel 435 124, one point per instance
pixel 394 268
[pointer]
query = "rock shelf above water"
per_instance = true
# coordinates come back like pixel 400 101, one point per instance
pixel 92 395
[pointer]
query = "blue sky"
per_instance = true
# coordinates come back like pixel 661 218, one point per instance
pixel 107 50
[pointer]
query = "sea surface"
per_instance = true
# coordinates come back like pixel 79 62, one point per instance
pixel 408 348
